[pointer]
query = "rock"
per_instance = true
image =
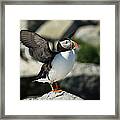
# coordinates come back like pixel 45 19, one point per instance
pixel 28 88
pixel 54 29
pixel 85 68
pixel 29 68
pixel 23 25
pixel 89 34
pixel 85 86
pixel 55 96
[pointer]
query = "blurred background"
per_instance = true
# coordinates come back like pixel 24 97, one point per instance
pixel 84 79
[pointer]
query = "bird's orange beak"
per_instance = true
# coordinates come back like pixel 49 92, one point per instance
pixel 75 45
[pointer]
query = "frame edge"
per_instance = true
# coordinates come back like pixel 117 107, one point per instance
pixel 2 55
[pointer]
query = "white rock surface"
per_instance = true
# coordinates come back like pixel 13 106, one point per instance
pixel 55 96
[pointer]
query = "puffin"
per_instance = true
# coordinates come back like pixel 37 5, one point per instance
pixel 58 59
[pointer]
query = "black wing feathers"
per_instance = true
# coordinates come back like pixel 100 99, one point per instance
pixel 27 38
pixel 38 46
pixel 44 70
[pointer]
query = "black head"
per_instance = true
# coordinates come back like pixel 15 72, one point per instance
pixel 65 45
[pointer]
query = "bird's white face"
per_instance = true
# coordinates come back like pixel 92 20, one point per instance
pixel 67 44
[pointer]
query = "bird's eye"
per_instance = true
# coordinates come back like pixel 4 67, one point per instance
pixel 66 42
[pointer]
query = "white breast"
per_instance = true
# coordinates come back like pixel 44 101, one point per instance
pixel 62 64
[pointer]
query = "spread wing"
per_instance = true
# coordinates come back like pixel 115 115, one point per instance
pixel 38 46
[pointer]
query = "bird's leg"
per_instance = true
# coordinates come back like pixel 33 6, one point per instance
pixel 56 87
